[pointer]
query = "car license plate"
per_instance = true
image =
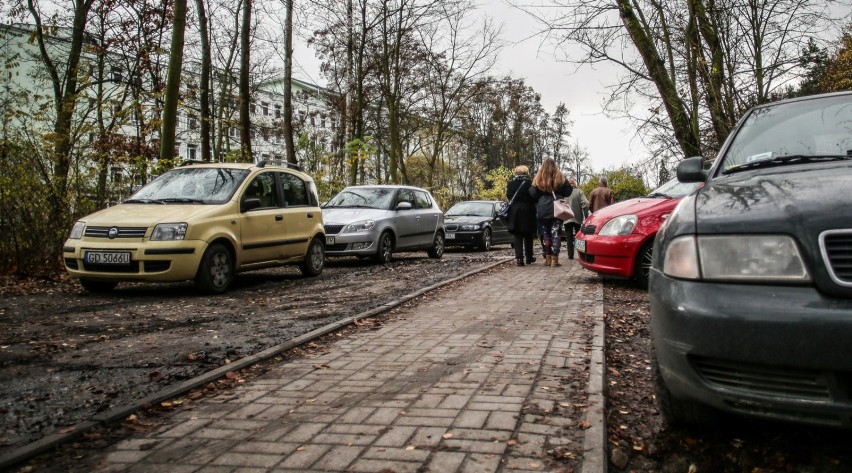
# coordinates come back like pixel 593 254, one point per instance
pixel 108 257
pixel 580 245
pixel 329 240
pixel 451 236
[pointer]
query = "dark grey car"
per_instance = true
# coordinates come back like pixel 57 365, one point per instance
pixel 751 284
pixel 475 223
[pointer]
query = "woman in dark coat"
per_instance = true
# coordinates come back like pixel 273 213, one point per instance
pixel 549 182
pixel 522 215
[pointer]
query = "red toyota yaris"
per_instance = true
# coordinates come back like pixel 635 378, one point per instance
pixel 618 240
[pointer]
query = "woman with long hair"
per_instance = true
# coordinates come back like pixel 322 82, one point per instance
pixel 522 222
pixel 549 184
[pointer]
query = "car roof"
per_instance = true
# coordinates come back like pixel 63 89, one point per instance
pixel 258 165
pixel 386 186
pixel 478 201
pixel 845 93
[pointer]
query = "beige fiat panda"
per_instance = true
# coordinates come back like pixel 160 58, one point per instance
pixel 202 222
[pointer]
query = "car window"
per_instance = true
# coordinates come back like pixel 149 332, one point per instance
pixel 674 189
pixel 405 195
pixel 295 191
pixel 814 127
pixel 263 187
pixel 471 209
pixel 363 197
pixel 192 185
pixel 422 199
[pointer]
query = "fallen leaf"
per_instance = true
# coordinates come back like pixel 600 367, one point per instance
pixel 585 424
pixel 410 448
pixel 511 442
pixel 447 436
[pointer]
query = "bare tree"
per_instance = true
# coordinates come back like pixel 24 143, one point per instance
pixel 167 135
pixel 245 86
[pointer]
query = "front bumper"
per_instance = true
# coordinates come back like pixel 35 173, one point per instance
pixel 779 352
pixel 463 238
pixel 154 261
pixel 615 255
pixel 352 244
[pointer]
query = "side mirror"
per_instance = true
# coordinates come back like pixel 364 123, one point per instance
pixel 691 170
pixel 403 206
pixel 249 204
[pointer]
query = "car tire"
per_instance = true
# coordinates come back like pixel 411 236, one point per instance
pixel 314 259
pixel 642 266
pixel 437 249
pixel 485 241
pixel 384 250
pixel 680 412
pixel 216 271
pixel 93 285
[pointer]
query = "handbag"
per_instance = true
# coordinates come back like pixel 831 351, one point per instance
pixel 503 214
pixel 561 209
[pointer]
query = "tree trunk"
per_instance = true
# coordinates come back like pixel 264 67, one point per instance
pixel 245 92
pixel 288 85
pixel 206 60
pixel 167 136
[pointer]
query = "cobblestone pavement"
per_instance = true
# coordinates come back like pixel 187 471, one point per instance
pixel 498 373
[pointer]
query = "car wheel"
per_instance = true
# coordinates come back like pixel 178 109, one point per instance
pixel 437 250
pixel 485 242
pixel 314 259
pixel 216 271
pixel 676 411
pixel 642 267
pixel 93 285
pixel 384 252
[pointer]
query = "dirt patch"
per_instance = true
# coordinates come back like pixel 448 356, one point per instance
pixel 639 440
pixel 66 355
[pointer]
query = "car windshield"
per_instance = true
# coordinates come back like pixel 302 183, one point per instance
pixel 809 130
pixel 363 197
pixel 674 189
pixel 472 209
pixel 191 186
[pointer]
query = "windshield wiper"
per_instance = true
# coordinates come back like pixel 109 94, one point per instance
pixel 783 160
pixel 143 201
pixel 181 200
pixel 348 207
pixel 660 194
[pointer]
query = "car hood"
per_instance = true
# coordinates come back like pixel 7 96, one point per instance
pixel 640 206
pixel 146 215
pixel 343 216
pixel 792 199
pixel 465 219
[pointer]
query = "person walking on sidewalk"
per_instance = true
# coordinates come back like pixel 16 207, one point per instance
pixel 579 205
pixel 521 224
pixel 549 184
pixel 601 196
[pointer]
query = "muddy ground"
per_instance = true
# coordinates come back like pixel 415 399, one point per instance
pixel 66 354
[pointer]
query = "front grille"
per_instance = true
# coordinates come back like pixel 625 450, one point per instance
pixel 337 247
pixel 764 380
pixel 587 258
pixel 157 266
pixel 837 252
pixel 588 229
pixel 123 232
pixel 451 228
pixel 332 229
pixel 133 267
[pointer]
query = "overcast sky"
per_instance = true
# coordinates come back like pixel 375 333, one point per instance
pixel 609 142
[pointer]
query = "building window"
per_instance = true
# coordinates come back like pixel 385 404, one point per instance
pixel 265 109
pixel 322 123
pixel 313 120
pixel 116 74
pixel 193 122
pixel 116 108
pixel 177 150
pixel 233 132
pixel 277 111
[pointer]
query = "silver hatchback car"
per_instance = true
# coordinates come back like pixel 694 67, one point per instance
pixel 375 221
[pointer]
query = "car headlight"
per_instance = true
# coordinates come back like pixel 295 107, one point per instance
pixel 773 258
pixel 77 231
pixel 362 226
pixel 619 226
pixel 469 227
pixel 169 232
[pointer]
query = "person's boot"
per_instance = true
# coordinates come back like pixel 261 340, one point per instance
pixel 547 259
pixel 554 261
pixel 571 252
pixel 530 259
pixel 519 261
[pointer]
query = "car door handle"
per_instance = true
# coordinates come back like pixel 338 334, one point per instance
pixel 279 218
pixel 417 217
pixel 310 215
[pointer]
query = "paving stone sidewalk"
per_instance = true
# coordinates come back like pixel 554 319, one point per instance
pixel 497 373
